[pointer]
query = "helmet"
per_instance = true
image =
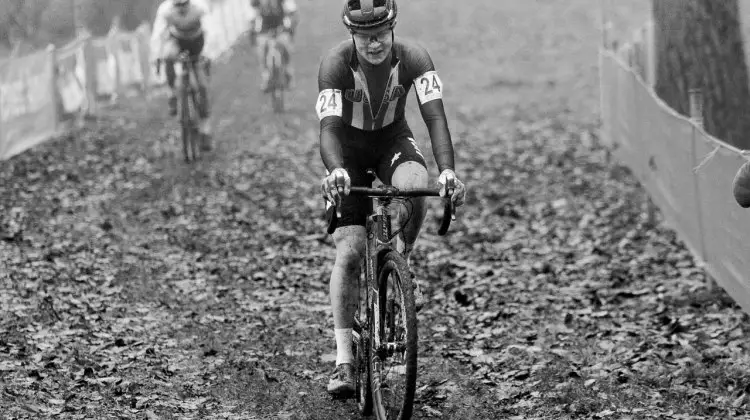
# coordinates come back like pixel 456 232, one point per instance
pixel 180 2
pixel 366 14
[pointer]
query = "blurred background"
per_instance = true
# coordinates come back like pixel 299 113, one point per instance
pixel 26 25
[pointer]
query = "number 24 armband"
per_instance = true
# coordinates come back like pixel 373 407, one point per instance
pixel 329 103
pixel 429 87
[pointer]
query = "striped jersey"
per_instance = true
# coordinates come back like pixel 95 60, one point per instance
pixel 371 97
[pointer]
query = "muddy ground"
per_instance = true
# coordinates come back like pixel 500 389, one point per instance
pixel 137 286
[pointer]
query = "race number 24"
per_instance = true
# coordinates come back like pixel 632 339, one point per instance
pixel 329 103
pixel 429 87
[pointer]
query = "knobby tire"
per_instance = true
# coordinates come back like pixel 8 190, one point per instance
pixel 195 135
pixel 362 356
pixel 185 120
pixel 394 265
pixel 277 84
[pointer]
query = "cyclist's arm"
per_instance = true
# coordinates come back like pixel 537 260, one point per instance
pixel 429 90
pixel 160 31
pixel 329 108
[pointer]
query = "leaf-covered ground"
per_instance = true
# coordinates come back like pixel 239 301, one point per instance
pixel 134 286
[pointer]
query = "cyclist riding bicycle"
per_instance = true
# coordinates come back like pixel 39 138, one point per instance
pixel 180 25
pixel 274 18
pixel 363 84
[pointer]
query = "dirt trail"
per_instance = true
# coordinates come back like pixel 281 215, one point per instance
pixel 136 286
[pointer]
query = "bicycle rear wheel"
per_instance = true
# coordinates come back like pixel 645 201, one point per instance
pixel 186 123
pixel 196 137
pixel 393 363
pixel 278 80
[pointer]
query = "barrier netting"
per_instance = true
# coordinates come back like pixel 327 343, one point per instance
pixel 41 92
pixel 687 172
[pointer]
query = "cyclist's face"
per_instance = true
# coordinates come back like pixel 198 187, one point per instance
pixel 182 8
pixel 374 45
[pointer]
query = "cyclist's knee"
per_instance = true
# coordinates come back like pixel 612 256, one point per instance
pixel 410 174
pixel 350 246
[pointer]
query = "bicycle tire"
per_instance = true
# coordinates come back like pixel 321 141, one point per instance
pixel 277 92
pixel 185 120
pixel 276 82
pixel 195 135
pixel 362 353
pixel 394 264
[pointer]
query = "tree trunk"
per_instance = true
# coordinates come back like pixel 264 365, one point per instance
pixel 699 45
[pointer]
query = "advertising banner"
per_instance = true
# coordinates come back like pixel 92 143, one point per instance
pixel 28 109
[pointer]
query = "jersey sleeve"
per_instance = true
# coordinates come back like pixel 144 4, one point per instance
pixel 329 107
pixel 429 91
pixel 159 32
pixel 427 83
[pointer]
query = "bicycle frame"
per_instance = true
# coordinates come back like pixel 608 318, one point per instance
pixel 379 242
pixel 380 238
pixel 188 78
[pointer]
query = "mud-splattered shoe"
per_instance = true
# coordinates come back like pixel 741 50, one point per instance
pixel 341 384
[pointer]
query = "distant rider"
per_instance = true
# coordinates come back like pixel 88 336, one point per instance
pixel 279 19
pixel 180 25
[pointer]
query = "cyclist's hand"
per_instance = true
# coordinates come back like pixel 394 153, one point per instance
pixel 451 186
pixel 335 185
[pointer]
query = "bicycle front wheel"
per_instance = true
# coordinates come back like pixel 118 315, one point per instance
pixel 393 363
pixel 186 123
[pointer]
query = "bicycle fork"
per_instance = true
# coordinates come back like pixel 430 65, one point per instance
pixel 378 240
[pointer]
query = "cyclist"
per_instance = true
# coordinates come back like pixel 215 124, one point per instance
pixel 180 25
pixel 363 84
pixel 274 18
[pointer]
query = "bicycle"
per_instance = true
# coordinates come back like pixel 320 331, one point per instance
pixel 388 330
pixel 191 103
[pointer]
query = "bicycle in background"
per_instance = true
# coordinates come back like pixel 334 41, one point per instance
pixel 191 103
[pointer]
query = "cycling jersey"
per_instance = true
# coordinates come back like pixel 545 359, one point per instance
pixel 183 26
pixel 356 95
pixel 272 13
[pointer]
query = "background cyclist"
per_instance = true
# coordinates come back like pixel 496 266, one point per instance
pixel 363 83
pixel 274 18
pixel 180 25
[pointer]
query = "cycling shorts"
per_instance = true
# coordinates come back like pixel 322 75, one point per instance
pixel 381 150
pixel 194 47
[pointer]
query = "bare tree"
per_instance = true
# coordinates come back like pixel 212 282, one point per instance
pixel 699 45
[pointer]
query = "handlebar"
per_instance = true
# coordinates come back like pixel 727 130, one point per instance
pixel 449 211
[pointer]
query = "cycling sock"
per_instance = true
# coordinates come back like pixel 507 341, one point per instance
pixel 343 345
